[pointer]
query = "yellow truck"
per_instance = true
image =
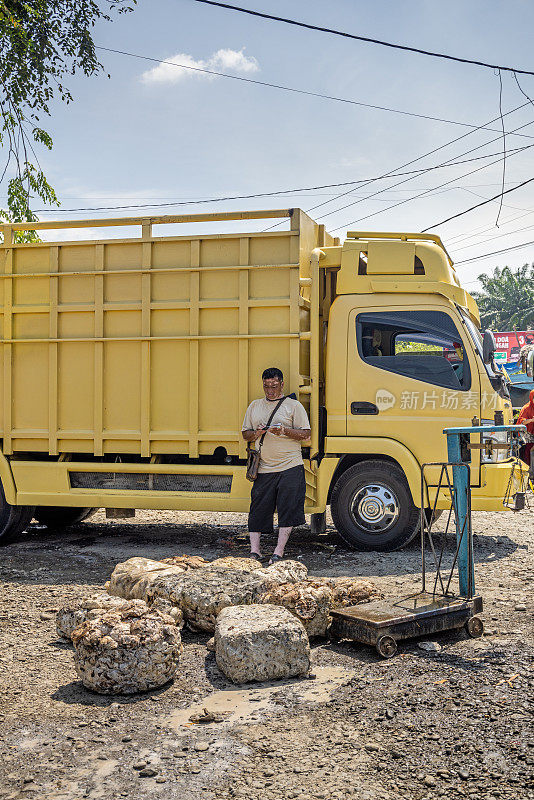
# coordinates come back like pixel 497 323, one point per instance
pixel 128 365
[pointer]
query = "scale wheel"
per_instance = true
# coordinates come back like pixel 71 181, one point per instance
pixel 474 627
pixel 386 646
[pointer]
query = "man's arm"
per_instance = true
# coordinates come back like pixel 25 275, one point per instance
pixel 297 434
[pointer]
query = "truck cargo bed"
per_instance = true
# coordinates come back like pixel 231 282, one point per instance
pixel 152 345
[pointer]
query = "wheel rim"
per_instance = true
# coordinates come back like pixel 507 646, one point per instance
pixel 475 627
pixel 375 508
pixel 387 646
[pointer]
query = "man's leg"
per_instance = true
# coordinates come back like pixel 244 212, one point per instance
pixel 290 505
pixel 255 542
pixel 283 536
pixel 262 504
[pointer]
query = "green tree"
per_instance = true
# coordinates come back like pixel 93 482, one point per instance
pixel 506 301
pixel 41 42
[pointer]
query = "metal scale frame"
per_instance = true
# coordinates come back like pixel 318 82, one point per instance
pixel 437 607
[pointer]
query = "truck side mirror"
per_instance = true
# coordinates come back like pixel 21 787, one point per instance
pixel 488 347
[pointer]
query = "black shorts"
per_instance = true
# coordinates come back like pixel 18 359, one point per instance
pixel 281 491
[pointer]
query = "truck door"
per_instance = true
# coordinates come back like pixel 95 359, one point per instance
pixel 410 374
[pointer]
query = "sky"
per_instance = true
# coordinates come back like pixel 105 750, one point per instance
pixel 155 133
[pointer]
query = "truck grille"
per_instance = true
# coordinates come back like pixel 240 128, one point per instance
pixel 137 481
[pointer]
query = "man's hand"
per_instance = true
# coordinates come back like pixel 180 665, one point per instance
pixel 252 436
pixel 297 434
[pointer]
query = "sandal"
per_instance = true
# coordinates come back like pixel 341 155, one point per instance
pixel 256 557
pixel 274 559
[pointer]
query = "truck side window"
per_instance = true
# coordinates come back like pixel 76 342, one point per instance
pixel 424 345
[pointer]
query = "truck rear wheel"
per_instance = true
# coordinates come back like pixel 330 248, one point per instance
pixel 372 507
pixel 13 519
pixel 61 516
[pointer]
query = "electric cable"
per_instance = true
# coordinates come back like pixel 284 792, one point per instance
pixel 495 253
pixel 478 205
pixel 461 237
pixel 491 238
pixel 503 149
pixel 413 161
pixel 353 184
pixel 406 180
pixel 293 89
pixel 367 39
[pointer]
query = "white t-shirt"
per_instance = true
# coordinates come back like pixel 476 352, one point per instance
pixel 278 453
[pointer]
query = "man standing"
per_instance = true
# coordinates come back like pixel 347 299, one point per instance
pixel 280 484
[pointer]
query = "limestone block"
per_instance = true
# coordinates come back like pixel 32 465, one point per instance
pixel 74 613
pixel 285 571
pixel 131 579
pixel 260 643
pixel 351 591
pixel 126 651
pixel 202 594
pixel 165 607
pixel 199 589
pixel 309 601
pixel 235 562
pixel 186 562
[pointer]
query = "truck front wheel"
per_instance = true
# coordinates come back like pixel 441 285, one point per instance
pixel 372 507
pixel 61 516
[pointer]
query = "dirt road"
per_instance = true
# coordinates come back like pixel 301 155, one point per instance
pixel 455 723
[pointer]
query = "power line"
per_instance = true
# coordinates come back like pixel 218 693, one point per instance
pixel 413 161
pixel 276 193
pixel 293 89
pixel 495 252
pixel 417 196
pixel 475 232
pixel 491 238
pixel 406 180
pixel 478 205
pixel 368 39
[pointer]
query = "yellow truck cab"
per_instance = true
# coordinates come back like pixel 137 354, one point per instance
pixel 128 365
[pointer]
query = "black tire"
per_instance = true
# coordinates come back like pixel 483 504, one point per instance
pixel 372 507
pixel 61 516
pixel 13 519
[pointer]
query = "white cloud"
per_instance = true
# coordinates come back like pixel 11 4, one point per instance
pixel 223 60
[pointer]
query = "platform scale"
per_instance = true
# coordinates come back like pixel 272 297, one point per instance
pixel 383 623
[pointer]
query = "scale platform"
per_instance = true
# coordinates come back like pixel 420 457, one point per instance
pixel 382 623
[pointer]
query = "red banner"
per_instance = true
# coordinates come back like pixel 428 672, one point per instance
pixel 509 343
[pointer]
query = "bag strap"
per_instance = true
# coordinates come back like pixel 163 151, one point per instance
pixel 262 437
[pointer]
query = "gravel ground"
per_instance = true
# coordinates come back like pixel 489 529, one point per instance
pixel 455 722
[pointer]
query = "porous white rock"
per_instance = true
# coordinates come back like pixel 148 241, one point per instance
pixel 260 643
pixel 131 579
pixel 286 571
pixel 127 651
pixel 312 600
pixel 186 562
pixel 165 607
pixel 202 594
pixel 309 601
pixel 351 591
pixel 236 562
pixel 74 613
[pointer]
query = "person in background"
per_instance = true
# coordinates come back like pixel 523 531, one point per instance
pixel 280 485
pixel 526 417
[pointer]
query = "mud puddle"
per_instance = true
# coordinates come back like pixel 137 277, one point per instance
pixel 243 704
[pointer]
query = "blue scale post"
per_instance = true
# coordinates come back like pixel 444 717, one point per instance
pixel 460 474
